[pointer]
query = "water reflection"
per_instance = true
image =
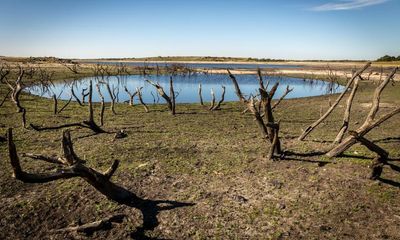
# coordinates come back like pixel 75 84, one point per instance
pixel 186 87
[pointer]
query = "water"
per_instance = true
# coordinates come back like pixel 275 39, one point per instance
pixel 201 65
pixel 187 87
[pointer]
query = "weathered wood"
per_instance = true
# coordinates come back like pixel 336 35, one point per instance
pixel 102 109
pixel 139 93
pixel 73 168
pixel 310 128
pixel 370 145
pixel 237 88
pixel 275 145
pixel 161 92
pixel 212 104
pixel 200 96
pixel 172 96
pixel 218 105
pixel 74 95
pixel 346 117
pixel 112 97
pixel 55 103
pixel 131 96
pixel 259 120
pixel 84 95
pixel 288 90
pixel 370 122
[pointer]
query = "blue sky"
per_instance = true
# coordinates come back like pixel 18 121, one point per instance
pixel 290 29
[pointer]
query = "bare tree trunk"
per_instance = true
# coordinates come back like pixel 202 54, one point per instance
pixel 55 104
pixel 102 105
pixel 346 118
pixel 112 98
pixel 162 93
pixel 172 95
pixel 218 106
pixel 200 96
pixel 212 99
pixel 310 128
pixel 139 93
pixel 131 96
pixel 237 88
pixel 74 95
pixel 369 123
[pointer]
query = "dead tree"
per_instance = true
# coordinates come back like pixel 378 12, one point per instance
pixel 84 95
pixel 112 97
pixel 55 101
pixel 218 106
pixel 102 105
pixel 139 93
pixel 288 90
pixel 237 88
pixel 200 96
pixel 72 67
pixel 169 99
pixel 74 95
pixel 370 122
pixel 71 166
pixel 131 96
pixel 310 128
pixel 212 100
pixel 90 123
pixel 346 117
pixel 16 89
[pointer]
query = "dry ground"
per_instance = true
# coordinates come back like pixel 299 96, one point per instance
pixel 214 160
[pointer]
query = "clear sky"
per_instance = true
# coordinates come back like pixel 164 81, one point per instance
pixel 288 29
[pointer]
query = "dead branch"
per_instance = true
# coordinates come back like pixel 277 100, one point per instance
pixel 200 96
pixel 370 122
pixel 90 123
pixel 102 105
pixel 72 67
pixel 131 96
pixel 139 93
pixel 346 117
pixel 74 95
pixel 237 88
pixel 288 90
pixel 55 101
pixel 65 105
pixel 212 99
pixel 169 99
pixel 310 128
pixel 84 95
pixel 172 95
pixel 112 97
pixel 218 106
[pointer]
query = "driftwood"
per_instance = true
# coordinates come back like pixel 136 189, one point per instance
pixel 90 228
pixel 169 99
pixel 310 128
pixel 346 117
pixel 370 122
pixel 139 93
pixel 90 123
pixel 218 105
pixel 200 96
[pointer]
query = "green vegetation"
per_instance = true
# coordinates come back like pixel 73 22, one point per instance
pixel 388 58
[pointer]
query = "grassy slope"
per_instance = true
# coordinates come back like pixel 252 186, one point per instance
pixel 212 159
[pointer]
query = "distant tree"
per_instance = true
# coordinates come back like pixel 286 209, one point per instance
pixel 388 58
